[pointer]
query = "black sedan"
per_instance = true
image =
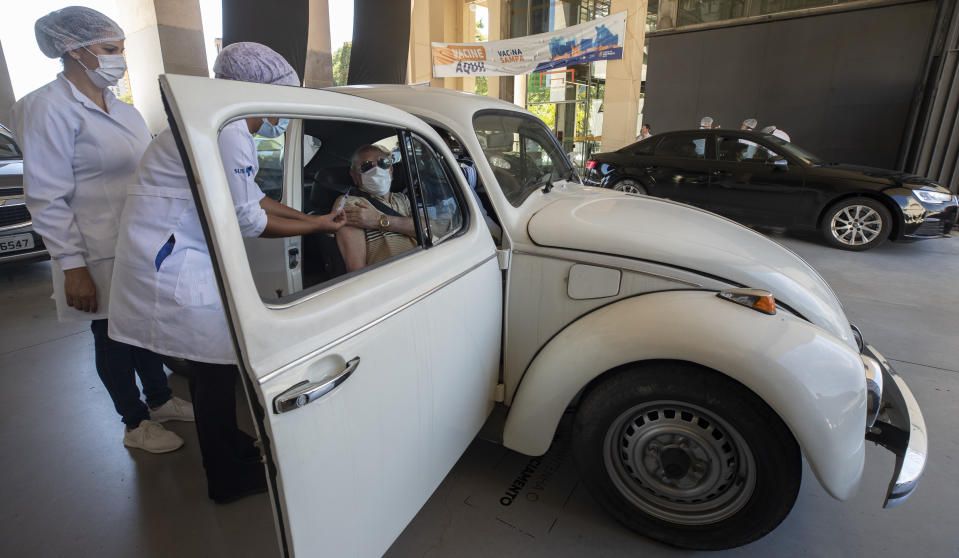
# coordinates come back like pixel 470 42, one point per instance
pixel 760 179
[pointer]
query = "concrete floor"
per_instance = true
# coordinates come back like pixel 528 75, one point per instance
pixel 71 489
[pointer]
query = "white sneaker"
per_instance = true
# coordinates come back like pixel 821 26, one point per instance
pixel 174 409
pixel 152 437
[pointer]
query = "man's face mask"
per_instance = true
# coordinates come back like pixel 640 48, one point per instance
pixel 268 130
pixel 375 176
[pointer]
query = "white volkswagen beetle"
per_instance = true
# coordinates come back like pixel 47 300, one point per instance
pixel 701 359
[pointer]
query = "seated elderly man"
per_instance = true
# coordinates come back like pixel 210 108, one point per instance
pixel 379 223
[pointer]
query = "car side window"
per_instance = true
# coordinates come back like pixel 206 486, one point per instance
pixel 269 155
pixel 424 202
pixel 685 146
pixel 741 150
pixel 645 147
pixel 445 214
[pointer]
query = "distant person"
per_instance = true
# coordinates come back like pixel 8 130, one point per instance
pixel 644 132
pixel 706 123
pixel 781 134
pixel 81 146
pixel 749 124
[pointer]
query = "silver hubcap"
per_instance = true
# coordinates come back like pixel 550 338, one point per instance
pixel 856 225
pixel 679 463
pixel 629 187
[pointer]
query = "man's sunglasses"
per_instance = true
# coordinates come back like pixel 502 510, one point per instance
pixel 383 162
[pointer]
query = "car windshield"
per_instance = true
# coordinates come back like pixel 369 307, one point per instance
pixel 794 150
pixel 522 153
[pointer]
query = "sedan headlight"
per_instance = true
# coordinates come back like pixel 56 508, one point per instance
pixel 932 196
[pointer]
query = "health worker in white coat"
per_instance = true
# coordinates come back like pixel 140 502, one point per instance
pixel 165 296
pixel 81 147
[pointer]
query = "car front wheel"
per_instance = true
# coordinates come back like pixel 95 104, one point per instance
pixel 856 224
pixel 629 186
pixel 686 456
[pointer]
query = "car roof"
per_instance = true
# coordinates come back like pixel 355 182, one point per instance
pixel 436 105
pixel 714 131
pixel 424 96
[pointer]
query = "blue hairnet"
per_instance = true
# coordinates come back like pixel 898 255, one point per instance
pixel 255 63
pixel 72 28
pixel 750 123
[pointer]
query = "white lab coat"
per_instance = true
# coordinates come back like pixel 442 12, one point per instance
pixel 77 164
pixel 175 309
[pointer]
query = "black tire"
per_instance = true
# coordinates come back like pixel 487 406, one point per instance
pixel 630 186
pixel 675 416
pixel 856 224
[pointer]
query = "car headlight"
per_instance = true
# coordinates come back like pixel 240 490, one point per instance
pixel 932 196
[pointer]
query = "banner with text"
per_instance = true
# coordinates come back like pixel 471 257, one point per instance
pixel 600 39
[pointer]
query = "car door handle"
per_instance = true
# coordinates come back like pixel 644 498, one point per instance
pixel 307 392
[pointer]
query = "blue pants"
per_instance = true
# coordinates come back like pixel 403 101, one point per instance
pixel 116 364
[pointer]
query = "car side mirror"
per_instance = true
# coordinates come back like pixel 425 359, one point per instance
pixel 778 164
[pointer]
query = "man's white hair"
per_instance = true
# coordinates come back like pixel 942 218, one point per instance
pixel 355 158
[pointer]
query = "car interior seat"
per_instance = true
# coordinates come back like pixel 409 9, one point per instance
pixel 322 260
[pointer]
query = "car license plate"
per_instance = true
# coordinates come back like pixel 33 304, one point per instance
pixel 16 242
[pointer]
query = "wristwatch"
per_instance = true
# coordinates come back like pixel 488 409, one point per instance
pixel 384 222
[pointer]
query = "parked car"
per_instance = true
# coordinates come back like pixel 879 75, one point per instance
pixel 760 179
pixel 700 360
pixel 17 239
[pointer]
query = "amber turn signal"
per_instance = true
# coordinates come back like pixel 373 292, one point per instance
pixel 757 299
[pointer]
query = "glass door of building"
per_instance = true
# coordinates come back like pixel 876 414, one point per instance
pixel 570 102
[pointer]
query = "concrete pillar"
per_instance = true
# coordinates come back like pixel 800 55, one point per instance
pixel 419 68
pixel 319 55
pixel 6 91
pixel 498 30
pixel 163 37
pixel 468 35
pixel 434 20
pixel 624 79
pixel 519 89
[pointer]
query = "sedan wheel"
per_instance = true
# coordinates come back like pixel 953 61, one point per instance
pixel 630 186
pixel 856 224
pixel 685 455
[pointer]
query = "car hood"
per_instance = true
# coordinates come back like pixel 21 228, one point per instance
pixel 596 220
pixel 883 176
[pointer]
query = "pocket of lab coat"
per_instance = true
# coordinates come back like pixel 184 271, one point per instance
pixel 196 284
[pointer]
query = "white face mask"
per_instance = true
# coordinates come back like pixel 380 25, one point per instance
pixel 270 130
pixel 112 67
pixel 376 181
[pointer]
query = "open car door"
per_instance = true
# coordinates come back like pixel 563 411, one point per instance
pixel 369 386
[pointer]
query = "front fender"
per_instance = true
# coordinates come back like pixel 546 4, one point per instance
pixel 812 380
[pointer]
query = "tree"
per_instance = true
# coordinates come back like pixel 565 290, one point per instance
pixel 341 64
pixel 482 83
